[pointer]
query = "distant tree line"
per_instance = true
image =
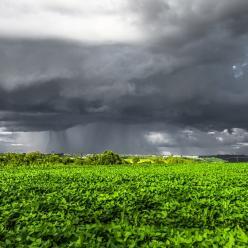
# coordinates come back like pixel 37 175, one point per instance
pixel 37 158
pixel 105 158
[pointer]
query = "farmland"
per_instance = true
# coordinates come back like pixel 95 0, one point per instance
pixel 166 205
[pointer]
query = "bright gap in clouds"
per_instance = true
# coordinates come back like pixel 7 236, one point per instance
pixel 197 142
pixel 86 21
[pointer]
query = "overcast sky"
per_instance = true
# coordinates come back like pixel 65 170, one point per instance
pixel 134 76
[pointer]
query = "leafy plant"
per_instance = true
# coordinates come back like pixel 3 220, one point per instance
pixel 188 205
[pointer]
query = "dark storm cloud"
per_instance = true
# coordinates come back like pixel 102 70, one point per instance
pixel 186 21
pixel 48 85
pixel 188 71
pixel 194 95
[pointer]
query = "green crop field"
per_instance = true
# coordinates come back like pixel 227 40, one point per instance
pixel 188 205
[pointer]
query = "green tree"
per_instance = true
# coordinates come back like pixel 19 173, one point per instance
pixel 109 157
pixel 135 160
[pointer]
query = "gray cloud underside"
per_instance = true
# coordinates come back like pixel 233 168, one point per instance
pixel 49 85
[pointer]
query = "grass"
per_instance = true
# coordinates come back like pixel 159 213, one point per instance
pixel 189 205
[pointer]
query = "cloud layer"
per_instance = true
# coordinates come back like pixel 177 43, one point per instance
pixel 149 67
